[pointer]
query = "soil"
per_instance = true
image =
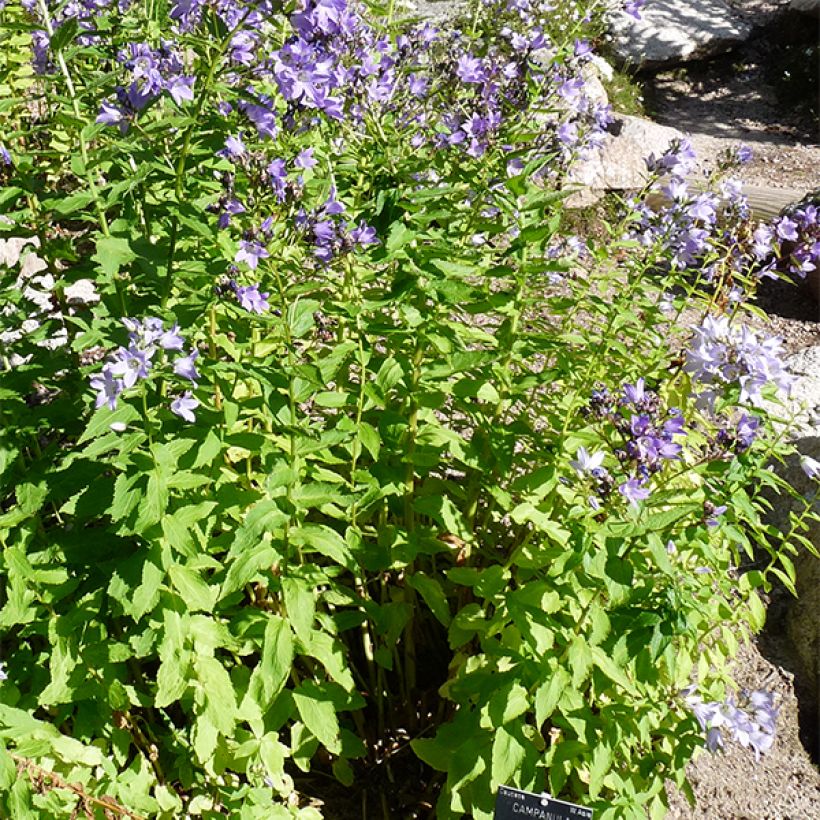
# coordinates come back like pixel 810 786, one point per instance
pixel 749 97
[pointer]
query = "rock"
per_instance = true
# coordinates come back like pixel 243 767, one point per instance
pixel 803 619
pixel 434 11
pixel 619 164
pixel 806 6
pixel 674 31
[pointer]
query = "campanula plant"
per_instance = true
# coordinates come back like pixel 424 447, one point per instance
pixel 328 450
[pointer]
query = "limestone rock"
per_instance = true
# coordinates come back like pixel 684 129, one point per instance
pixel 674 31
pixel 807 6
pixel 804 430
pixel 434 11
pixel 619 164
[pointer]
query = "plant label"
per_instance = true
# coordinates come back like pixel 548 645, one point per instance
pixel 513 804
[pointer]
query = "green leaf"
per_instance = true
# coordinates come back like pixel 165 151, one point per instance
pixel 218 692
pixel 601 764
pixel 300 605
pixel 611 669
pixel 66 32
pixel 757 612
pixel 509 751
pixel 246 566
pixel 323 539
pixel 113 253
pixel 548 694
pixel 195 591
pixel 433 595
pixel 508 702
pixel 274 666
pixel 154 502
pixel 72 203
pixel 300 316
pixel 316 710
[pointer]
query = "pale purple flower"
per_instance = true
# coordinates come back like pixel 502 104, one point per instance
pixel 304 159
pixel 586 462
pixel 185 367
pixel 110 115
pixel 743 154
pixel 252 300
pixel 810 466
pixel 108 386
pixel 633 8
pixel 131 364
pixel 234 148
pixel 171 339
pixel 634 492
pixel 184 406
pixel 364 235
pixel 787 229
pixel 181 89
pixel 469 69
pixel 250 253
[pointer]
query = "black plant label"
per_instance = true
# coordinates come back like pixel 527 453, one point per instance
pixel 513 804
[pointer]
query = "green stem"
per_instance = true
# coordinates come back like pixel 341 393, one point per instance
pixel 72 93
pixel 179 181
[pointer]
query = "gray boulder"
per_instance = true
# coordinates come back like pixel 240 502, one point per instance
pixel 806 6
pixel 675 31
pixel 803 619
pixel 619 165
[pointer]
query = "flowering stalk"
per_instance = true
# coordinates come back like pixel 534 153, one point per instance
pixel 179 181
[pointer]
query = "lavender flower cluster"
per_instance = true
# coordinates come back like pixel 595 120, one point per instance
pixel 723 356
pixel 649 437
pixel 129 365
pixel 152 71
pixel 54 15
pixel 687 226
pixel 751 723
pixel 791 244
pixel 694 226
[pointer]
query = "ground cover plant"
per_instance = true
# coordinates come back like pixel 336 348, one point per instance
pixel 325 444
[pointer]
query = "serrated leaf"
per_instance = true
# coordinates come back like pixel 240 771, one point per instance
pixel 300 605
pixel 601 764
pixel 508 702
pixel 316 710
pixel 218 693
pixel 127 495
pixel 509 751
pixel 245 566
pixel 548 694
pixel 193 588
pixel 275 664
pixel 611 669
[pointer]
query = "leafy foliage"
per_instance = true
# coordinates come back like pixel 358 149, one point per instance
pixel 331 493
